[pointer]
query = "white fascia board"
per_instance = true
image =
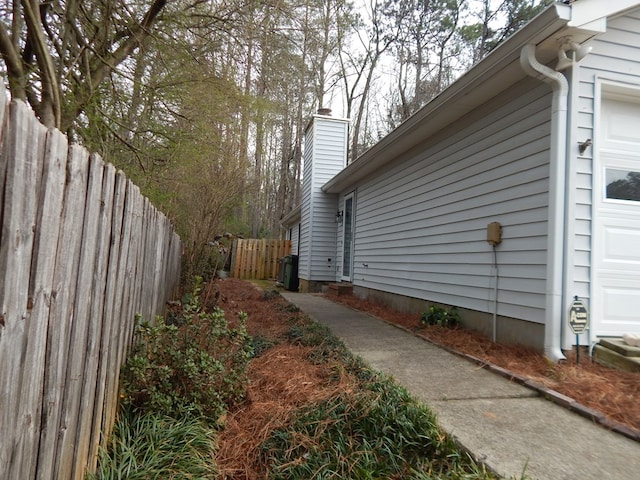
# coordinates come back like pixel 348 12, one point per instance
pixel 468 92
pixel 292 218
pixel 585 12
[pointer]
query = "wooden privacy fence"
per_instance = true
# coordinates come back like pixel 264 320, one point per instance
pixel 81 252
pixel 257 258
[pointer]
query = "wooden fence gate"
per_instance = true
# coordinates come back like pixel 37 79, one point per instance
pixel 257 259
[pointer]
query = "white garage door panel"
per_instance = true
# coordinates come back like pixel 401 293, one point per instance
pixel 621 125
pixel 622 246
pixel 621 301
pixel 615 287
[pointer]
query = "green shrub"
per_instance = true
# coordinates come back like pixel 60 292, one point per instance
pixel 443 317
pixel 155 446
pixel 194 366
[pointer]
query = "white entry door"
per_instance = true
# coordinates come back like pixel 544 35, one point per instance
pixel 347 238
pixel 615 298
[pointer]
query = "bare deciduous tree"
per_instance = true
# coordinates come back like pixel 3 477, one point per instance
pixel 57 53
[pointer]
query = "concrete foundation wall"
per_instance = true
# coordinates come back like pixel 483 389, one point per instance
pixel 509 330
pixel 310 286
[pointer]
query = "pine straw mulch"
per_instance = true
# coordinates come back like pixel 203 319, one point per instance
pixel 282 379
pixel 612 393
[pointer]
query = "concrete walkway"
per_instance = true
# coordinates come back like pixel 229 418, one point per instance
pixel 509 427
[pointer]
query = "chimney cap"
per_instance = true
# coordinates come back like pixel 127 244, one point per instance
pixel 324 111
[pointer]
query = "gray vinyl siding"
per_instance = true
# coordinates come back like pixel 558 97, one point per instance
pixel 324 157
pixel 421 223
pixel 305 212
pixel 615 56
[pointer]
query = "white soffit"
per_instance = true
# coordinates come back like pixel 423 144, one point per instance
pixel 586 12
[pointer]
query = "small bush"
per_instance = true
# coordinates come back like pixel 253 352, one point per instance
pixel 442 317
pixel 195 366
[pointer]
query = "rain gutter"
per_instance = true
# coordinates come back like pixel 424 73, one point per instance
pixel 557 179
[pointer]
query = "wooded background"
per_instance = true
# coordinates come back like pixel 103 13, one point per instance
pixel 204 104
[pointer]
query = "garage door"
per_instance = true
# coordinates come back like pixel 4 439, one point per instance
pixel 615 298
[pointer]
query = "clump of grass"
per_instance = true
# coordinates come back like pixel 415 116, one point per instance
pixel 288 308
pixel 326 346
pixel 270 294
pixel 260 344
pixel 376 432
pixel 156 446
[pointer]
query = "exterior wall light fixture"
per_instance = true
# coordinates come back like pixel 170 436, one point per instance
pixel 339 216
pixel 582 146
pixel 579 52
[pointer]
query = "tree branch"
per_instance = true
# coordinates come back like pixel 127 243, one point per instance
pixel 49 109
pixel 14 65
pixel 102 65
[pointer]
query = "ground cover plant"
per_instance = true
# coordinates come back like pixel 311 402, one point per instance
pixel 314 410
pixel 182 375
pixel 308 409
pixel 377 431
pixel 152 445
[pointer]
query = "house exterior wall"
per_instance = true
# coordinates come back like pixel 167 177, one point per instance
pixel 420 225
pixel 304 245
pixel 615 57
pixel 324 156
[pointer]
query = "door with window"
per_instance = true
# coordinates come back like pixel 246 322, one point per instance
pixel 347 238
pixel 616 238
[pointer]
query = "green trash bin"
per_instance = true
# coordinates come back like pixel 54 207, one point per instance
pixel 291 272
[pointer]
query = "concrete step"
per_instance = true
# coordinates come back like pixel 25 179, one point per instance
pixel 618 345
pixel 614 353
pixel 342 288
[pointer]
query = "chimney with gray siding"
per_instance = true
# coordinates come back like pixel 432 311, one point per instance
pixel 325 155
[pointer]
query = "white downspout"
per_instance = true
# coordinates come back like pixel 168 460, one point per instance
pixel 555 239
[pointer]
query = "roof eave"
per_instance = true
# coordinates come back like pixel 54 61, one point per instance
pixel 292 217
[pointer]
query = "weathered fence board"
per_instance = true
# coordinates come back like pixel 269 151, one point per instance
pixel 119 303
pixel 105 382
pixel 92 346
pixel 42 268
pixel 257 258
pixel 81 252
pixel 80 324
pixel 61 314
pixel 16 249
